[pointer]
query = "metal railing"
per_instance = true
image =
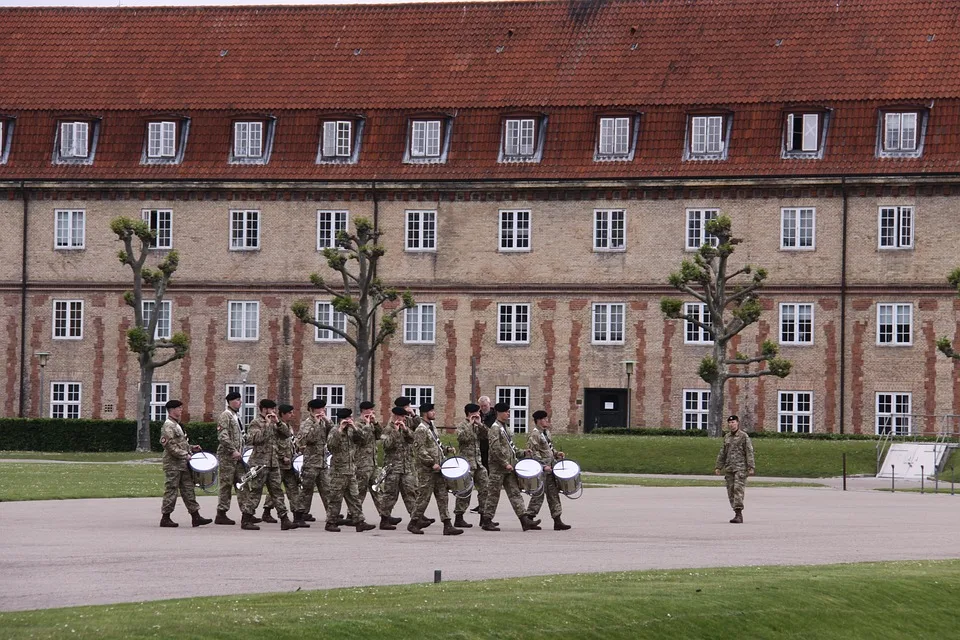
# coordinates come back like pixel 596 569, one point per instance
pixel 902 427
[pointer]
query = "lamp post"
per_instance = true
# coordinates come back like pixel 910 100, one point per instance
pixel 628 369
pixel 42 357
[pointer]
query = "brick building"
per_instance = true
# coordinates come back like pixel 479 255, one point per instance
pixel 538 168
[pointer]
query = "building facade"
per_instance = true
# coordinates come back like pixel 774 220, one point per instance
pixel 537 168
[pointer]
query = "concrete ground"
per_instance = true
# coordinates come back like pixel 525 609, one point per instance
pixel 74 552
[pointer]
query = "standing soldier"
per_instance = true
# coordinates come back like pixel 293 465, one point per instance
pixel 502 459
pixel 343 474
pixel 736 462
pixel 311 440
pixel 428 453
pixel 395 465
pixel 229 456
pixel 263 433
pixel 488 416
pixel 540 446
pixel 176 470
pixel 288 477
pixel 468 438
pixel 370 431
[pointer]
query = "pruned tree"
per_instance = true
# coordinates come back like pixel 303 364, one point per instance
pixel 142 338
pixel 358 295
pixel 732 304
pixel 943 343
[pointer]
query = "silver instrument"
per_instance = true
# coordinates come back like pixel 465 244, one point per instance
pixel 250 475
pixel 377 479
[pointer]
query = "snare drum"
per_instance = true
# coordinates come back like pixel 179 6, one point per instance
pixel 298 464
pixel 567 474
pixel 529 476
pixel 204 466
pixel 245 456
pixel 456 473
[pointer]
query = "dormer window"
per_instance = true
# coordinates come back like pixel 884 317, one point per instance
pixel 804 134
pixel 428 140
pixel 707 137
pixel 900 133
pixel 166 140
pixel 76 141
pixel 252 140
pixel 522 139
pixel 6 135
pixel 616 139
pixel 339 140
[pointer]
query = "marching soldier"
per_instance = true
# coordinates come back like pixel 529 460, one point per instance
pixel 429 454
pixel 502 459
pixel 263 433
pixel 370 431
pixel 468 438
pixel 540 446
pixel 229 456
pixel 396 463
pixel 343 474
pixel 736 462
pixel 288 477
pixel 311 440
pixel 176 470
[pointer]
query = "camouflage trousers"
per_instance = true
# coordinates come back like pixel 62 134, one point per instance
pixel 736 483
pixel 291 484
pixel 431 485
pixel 314 477
pixel 269 476
pixel 364 476
pixel 508 481
pixel 229 472
pixel 343 488
pixel 178 481
pixel 480 482
pixel 398 484
pixel 551 492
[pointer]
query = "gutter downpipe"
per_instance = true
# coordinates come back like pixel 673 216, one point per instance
pixel 843 305
pixel 23 303
pixel 373 354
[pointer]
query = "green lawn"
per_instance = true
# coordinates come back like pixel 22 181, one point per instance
pixel 606 481
pixel 73 456
pixel 869 601
pixel 51 481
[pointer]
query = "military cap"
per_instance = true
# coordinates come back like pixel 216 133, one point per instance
pixel 733 417
pixel 426 406
pixel 402 401
pixel 471 408
pixel 266 403
pixel 500 407
pixel 398 411
pixel 317 403
pixel 539 415
pixel 173 404
pixel 233 395
pixel 366 404
pixel 285 408
pixel 344 413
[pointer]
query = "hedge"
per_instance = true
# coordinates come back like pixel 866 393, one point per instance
pixel 49 434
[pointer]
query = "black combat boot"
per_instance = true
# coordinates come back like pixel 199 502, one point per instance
pixel 487 525
pixel 386 525
pixel 476 509
pixel 267 517
pixel 307 517
pixel 254 519
pixel 460 522
pixel 738 518
pixel 364 526
pixel 423 523
pixel 301 522
pixel 559 525
pixel 449 529
pixel 165 521
pixel 198 520
pixel 222 518
pixel 331 526
pixel 345 522
pixel 413 527
pixel 285 523
pixel 394 520
pixel 527 524
pixel 247 523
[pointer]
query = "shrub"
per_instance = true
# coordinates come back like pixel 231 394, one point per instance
pixel 52 434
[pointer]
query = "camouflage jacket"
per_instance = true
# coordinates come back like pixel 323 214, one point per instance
pixel 342 443
pixel 501 453
pixel 369 432
pixel 468 439
pixel 425 447
pixel 736 453
pixel 176 445
pixel 263 436
pixel 396 455
pixel 229 433
pixel 311 440
pixel 284 445
pixel 541 447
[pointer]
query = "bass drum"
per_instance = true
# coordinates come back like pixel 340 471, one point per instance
pixel 205 469
pixel 529 476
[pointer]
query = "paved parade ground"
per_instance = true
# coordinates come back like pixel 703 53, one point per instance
pixel 75 552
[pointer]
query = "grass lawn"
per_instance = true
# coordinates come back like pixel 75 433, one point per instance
pixel 32 481
pixel 73 456
pixel 606 481
pixel 876 600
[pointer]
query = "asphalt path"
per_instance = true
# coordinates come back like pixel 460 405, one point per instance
pixel 77 552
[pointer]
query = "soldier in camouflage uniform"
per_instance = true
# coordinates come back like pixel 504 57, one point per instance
pixel 262 433
pixel 311 440
pixel 178 477
pixel 540 446
pixel 229 452
pixel 342 443
pixel 736 462
pixel 468 439
pixel 288 477
pixel 502 460
pixel 370 431
pixel 396 463
pixel 428 455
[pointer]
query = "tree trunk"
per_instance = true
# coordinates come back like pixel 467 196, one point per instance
pixel 361 378
pixel 143 405
pixel 717 385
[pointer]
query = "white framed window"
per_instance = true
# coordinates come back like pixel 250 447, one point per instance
pixel 334 394
pixel 159 395
pixel 329 224
pixel 160 222
pixel 425 139
pixel 609 230
pixel 337 139
pixel 248 399
pixel 697 235
pixel 518 137
pixel 803 132
pixel 244 230
pixel 614 136
pixel 164 324
pixel 900 131
pixel 796 323
pixel 513 323
pixel 608 320
pixel 68 319
pixel 421 231
pixel 65 398
pixel 706 136
pixel 894 413
pixel 244 320
pixel 162 139
pixel 895 228
pixel 795 411
pixel 417 395
pixel 798 228
pixel 419 324
pixel 74 139
pixel 325 314
pixel 895 324
pixel 70 228
pixel 248 139
pixel 514 230
pixel 696 409
pixel 693 333
pixel 519 400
